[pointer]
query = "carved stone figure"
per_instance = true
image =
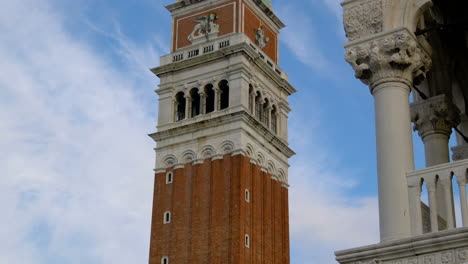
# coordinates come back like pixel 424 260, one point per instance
pixel 206 26
pixel 260 37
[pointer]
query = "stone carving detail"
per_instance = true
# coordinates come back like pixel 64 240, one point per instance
pixel 436 114
pixel 205 29
pixel 260 37
pixel 447 258
pixel 462 255
pixel 429 259
pixel 394 55
pixel 363 20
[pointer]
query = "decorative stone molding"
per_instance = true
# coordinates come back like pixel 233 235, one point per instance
pixel 363 19
pixel 392 56
pixel 436 115
pixel 445 247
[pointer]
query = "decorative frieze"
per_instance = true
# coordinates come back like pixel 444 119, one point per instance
pixel 363 20
pixel 395 56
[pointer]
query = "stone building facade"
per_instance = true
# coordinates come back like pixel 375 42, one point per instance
pixel 413 55
pixel 221 172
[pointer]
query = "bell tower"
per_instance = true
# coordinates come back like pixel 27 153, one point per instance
pixel 221 173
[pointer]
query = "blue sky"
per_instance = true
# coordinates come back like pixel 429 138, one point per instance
pixel 76 104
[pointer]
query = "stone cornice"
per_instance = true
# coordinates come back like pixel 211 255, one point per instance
pixel 242 48
pixel 452 243
pixel 277 142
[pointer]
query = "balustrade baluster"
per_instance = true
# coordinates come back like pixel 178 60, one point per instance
pixel 431 188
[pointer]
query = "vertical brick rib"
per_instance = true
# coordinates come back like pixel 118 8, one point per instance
pixel 278 223
pixel 180 214
pixel 236 213
pixel 267 221
pixel 286 257
pixel 155 228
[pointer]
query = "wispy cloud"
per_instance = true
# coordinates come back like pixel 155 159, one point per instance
pixel 301 39
pixel 76 182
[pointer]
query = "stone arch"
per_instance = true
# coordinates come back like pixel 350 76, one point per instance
pixel 271 168
pixel 170 161
pixel 189 156
pixel 226 147
pixel 260 159
pixel 195 102
pixel 281 175
pixel 249 150
pixel 208 151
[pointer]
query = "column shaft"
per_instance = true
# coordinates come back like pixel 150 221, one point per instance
pixel 394 157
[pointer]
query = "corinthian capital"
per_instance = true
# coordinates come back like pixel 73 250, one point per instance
pixel 436 115
pixel 395 55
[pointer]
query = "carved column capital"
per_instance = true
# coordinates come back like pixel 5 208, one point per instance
pixel 436 115
pixel 395 56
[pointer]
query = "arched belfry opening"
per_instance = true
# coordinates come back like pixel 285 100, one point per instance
pixel 180 106
pixel 210 98
pixel 266 112
pixel 274 119
pixel 258 106
pixel 195 97
pixel 251 99
pixel 224 89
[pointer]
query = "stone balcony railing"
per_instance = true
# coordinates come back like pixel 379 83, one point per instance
pixel 219 44
pixel 438 180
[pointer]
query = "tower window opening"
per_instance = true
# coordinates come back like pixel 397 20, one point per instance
pixel 251 107
pixel 167 217
pixel 180 106
pixel 169 177
pixel 247 195
pixel 247 241
pixel 165 260
pixel 224 86
pixel 274 120
pixel 258 106
pixel 195 97
pixel 210 98
pixel 266 113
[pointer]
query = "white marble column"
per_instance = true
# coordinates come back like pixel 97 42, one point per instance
pixel 188 106
pixel 389 64
pixel 217 102
pixel 461 180
pixel 434 119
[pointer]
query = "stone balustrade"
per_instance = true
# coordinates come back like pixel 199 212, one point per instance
pixel 219 44
pixel 436 177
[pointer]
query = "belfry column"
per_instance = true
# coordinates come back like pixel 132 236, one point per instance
pixel 434 119
pixel 389 64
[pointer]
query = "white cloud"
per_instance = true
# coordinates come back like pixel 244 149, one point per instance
pixel 75 166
